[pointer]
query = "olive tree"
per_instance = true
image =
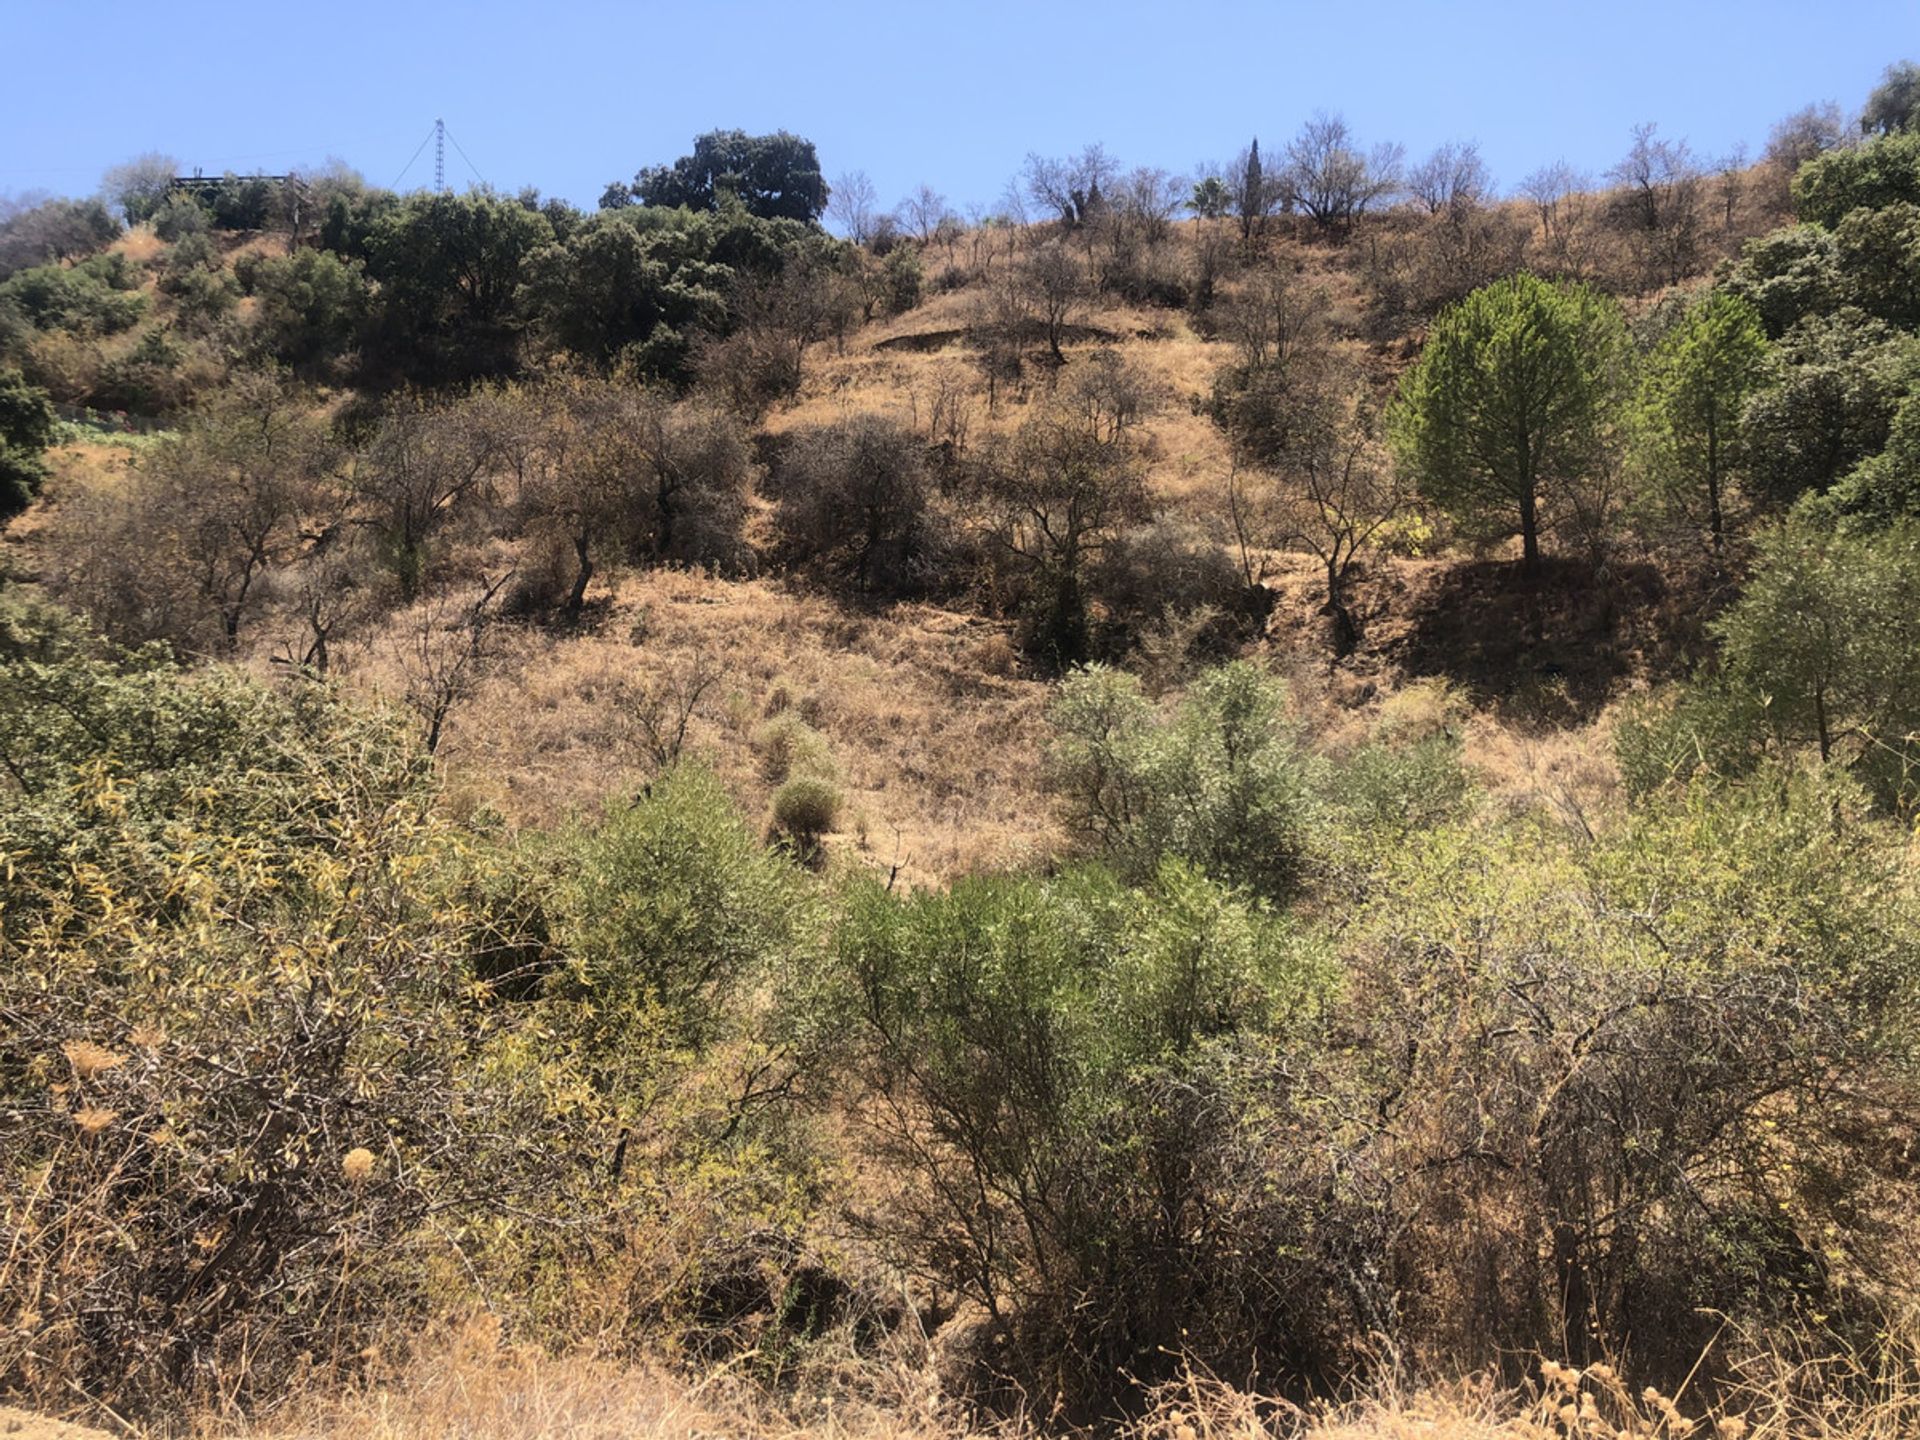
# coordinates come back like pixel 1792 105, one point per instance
pixel 858 497
pixel 1059 492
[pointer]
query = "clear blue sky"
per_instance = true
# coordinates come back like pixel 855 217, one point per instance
pixel 568 96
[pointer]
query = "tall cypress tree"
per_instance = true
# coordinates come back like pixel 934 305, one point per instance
pixel 1253 192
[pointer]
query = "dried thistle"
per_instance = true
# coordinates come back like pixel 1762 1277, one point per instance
pixel 357 1165
pixel 93 1120
pixel 89 1059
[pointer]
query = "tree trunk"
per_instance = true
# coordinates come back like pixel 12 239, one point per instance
pixel 583 572
pixel 1529 531
pixel 663 516
pixel 1346 634
pixel 1714 522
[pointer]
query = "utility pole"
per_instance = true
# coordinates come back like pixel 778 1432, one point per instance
pixel 440 156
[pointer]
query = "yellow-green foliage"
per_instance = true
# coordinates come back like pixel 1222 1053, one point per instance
pixel 286 1050
pixel 1621 1072
pixel 243 1026
pixel 789 746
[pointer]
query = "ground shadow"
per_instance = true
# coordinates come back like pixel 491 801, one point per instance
pixel 1555 645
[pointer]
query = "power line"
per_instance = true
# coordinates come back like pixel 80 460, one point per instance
pixel 409 165
pixel 463 155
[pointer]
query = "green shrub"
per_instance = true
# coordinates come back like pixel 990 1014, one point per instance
pixel 1708 729
pixel 901 279
pixel 1221 782
pixel 1077 1077
pixel 313 305
pixel 668 909
pixel 788 746
pixel 245 1056
pixel 1820 657
pixel 1395 789
pixel 99 296
pixel 180 216
pixel 291 1064
pixel 1631 1079
pixel 806 809
pixel 26 431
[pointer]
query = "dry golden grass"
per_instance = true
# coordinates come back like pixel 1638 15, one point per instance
pixel 896 366
pixel 933 734
pixel 139 244
pixel 932 725
pixel 19 1425
pixel 472 1386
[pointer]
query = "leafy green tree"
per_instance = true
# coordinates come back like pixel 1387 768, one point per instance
pixel 633 284
pixel 776 177
pixel 244 204
pixel 1513 399
pixel 1787 275
pixel 1827 635
pixel 450 269
pixel 1833 383
pixel 1875 174
pixel 640 285
pixel 1878 252
pixel 1891 107
pixel 1693 392
pixel 26 430
pixel 350 214
pixel 312 307
pixel 1886 487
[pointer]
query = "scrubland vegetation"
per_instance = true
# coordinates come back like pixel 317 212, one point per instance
pixel 1274 802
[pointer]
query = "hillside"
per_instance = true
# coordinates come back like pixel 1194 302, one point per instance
pixel 1269 804
pixel 932 710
